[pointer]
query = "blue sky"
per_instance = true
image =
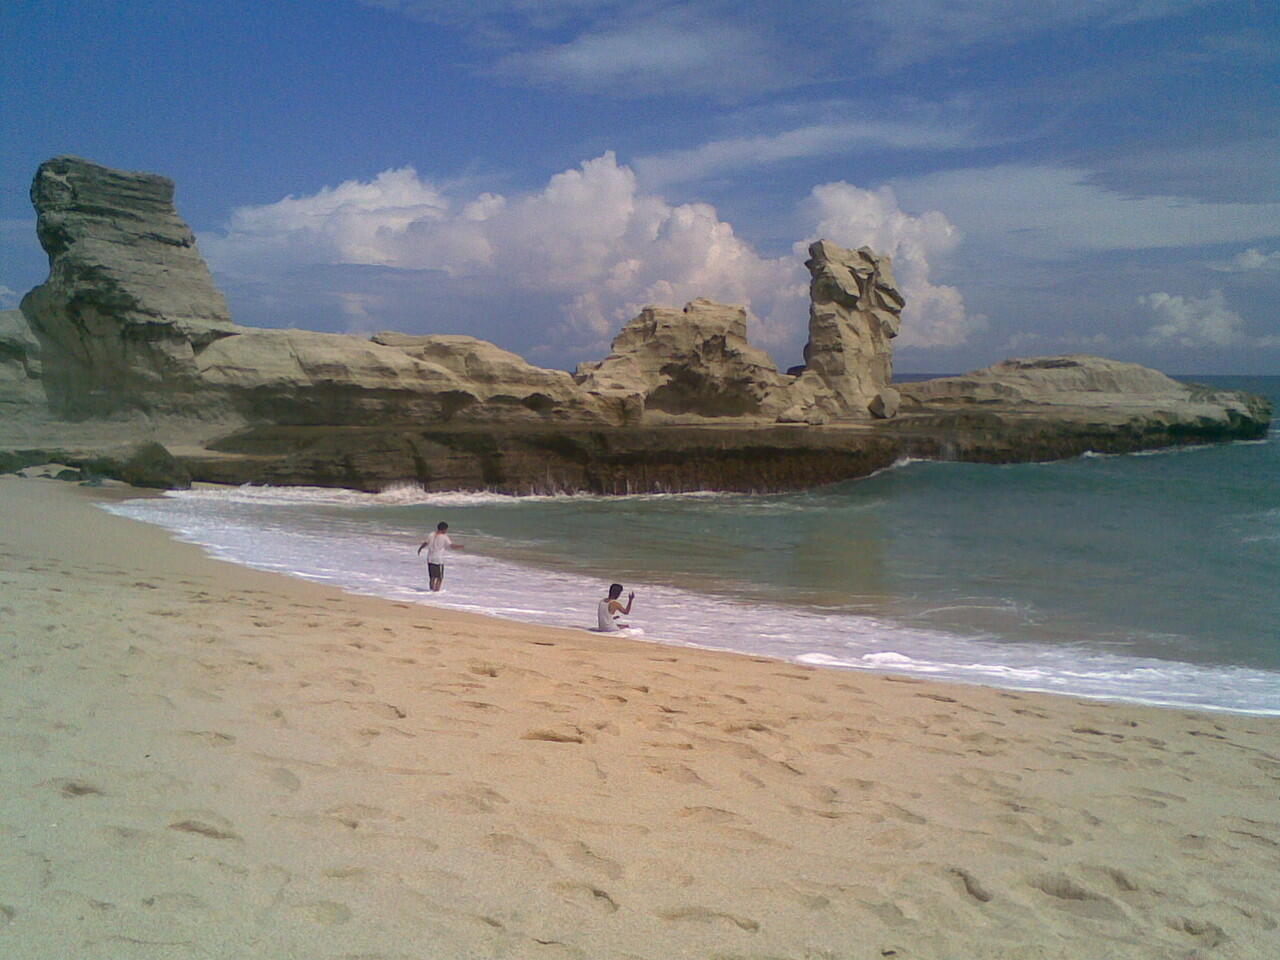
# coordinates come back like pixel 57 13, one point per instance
pixel 1058 176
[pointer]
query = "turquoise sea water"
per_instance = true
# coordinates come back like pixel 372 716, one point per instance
pixel 1152 577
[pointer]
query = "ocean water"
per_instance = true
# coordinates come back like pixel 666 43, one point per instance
pixel 1150 577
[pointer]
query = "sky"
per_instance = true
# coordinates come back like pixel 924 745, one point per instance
pixel 1048 176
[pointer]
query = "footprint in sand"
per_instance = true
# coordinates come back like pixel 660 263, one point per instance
pixel 971 884
pixel 355 815
pixel 75 788
pixel 475 799
pixel 324 912
pixel 204 829
pixel 174 902
pixel 586 895
pixel 714 815
pixel 1208 934
pixel 513 848
pixel 1069 895
pixel 567 734
pixel 212 738
pixel 584 856
pixel 284 778
pixel 703 915
pixel 677 772
pixel 345 873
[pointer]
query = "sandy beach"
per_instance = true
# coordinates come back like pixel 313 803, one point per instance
pixel 204 761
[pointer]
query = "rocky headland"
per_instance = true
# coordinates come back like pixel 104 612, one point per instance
pixel 126 362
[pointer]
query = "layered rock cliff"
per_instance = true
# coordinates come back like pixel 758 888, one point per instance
pixel 1091 391
pixel 130 325
pixel 129 302
pixel 130 341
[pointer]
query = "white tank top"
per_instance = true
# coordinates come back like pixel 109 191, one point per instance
pixel 607 619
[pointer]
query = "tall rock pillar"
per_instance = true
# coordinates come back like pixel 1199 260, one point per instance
pixel 129 301
pixel 853 315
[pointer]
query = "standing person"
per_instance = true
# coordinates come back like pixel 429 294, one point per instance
pixel 610 610
pixel 436 545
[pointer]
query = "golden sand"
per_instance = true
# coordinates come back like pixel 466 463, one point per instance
pixel 202 761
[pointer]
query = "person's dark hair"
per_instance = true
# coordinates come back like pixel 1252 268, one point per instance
pixel 442 526
pixel 615 591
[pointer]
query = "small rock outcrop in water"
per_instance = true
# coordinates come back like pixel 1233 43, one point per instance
pixel 128 341
pixel 1069 379
pixel 1086 383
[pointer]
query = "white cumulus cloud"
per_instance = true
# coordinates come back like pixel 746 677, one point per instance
pixel 587 251
pixel 1249 260
pixel 354 222
pixel 1193 322
pixel 590 239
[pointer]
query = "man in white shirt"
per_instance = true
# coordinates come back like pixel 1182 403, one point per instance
pixel 436 545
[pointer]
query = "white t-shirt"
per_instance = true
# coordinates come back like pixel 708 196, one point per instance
pixel 437 544
pixel 607 619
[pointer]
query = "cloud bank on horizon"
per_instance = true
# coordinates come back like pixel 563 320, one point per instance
pixel 1048 176
pixel 594 244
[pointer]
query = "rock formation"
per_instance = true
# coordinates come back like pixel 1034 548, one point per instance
pixel 854 312
pixel 128 342
pixel 129 301
pixel 1086 387
pixel 497 381
pixel 1077 379
pixel 691 361
pixel 21 387
pixel 130 325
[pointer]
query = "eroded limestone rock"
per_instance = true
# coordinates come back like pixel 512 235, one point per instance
pixel 1071 379
pixel 854 312
pixel 130 340
pixel 691 361
pixel 129 301
pixel 21 387
pixel 1096 389
pixel 129 325
pixel 497 380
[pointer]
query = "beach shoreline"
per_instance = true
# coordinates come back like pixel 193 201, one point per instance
pixel 968 616
pixel 205 760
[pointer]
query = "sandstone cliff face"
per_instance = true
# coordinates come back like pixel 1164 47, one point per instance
pixel 492 383
pixel 129 301
pixel 691 361
pixel 854 313
pixel 21 384
pixel 130 325
pixel 129 341
pixel 1068 379
pixel 1112 398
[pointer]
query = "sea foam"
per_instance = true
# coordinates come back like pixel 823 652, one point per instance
pixel 280 530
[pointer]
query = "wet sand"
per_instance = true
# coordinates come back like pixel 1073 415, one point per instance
pixel 203 761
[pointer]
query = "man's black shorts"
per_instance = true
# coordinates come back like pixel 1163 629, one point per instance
pixel 435 571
